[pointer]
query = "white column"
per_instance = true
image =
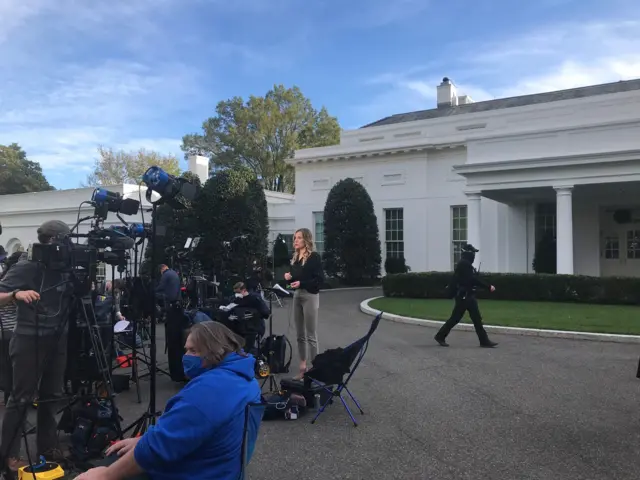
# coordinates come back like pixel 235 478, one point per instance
pixel 474 221
pixel 564 230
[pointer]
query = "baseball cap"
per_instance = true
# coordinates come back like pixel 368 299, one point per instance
pixel 53 228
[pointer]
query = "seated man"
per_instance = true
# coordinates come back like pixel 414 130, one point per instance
pixel 252 300
pixel 200 434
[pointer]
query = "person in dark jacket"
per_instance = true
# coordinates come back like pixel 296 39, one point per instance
pixel 306 277
pixel 463 287
pixel 38 348
pixel 168 288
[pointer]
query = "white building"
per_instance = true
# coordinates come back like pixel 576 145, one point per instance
pixel 497 174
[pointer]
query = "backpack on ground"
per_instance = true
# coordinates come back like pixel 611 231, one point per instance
pixel 274 351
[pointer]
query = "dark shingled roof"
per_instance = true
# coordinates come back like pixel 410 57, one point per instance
pixel 521 101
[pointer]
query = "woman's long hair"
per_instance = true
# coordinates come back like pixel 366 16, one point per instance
pixel 309 246
pixel 214 341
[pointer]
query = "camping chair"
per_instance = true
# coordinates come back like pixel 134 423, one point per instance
pixel 253 418
pixel 332 366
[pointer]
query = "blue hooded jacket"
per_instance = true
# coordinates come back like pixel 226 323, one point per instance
pixel 199 436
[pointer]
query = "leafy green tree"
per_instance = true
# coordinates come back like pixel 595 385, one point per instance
pixel 351 236
pixel 18 174
pixel 262 133
pixel 117 167
pixel 233 222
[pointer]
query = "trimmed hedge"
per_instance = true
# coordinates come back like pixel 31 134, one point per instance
pixel 523 287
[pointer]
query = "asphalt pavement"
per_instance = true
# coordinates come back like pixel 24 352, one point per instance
pixel 533 408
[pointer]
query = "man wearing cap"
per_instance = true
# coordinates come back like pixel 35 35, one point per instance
pixel 38 348
pixel 463 289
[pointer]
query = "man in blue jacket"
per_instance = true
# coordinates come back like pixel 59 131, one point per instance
pixel 200 434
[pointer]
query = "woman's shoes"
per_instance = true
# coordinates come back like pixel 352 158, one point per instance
pixel 300 375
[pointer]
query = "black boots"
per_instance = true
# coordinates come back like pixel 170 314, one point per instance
pixel 440 341
pixel 485 344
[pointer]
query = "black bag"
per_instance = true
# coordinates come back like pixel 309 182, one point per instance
pixel 92 424
pixel 274 350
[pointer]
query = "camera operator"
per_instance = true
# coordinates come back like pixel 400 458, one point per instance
pixel 168 292
pixel 38 349
pixel 168 288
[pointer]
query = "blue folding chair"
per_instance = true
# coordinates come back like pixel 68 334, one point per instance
pixel 253 418
pixel 333 369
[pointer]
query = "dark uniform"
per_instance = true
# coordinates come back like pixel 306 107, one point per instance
pixel 463 289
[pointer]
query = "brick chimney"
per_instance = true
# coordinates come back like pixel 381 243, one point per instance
pixel 447 95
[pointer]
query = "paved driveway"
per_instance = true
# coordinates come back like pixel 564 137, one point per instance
pixel 529 409
pixel 538 409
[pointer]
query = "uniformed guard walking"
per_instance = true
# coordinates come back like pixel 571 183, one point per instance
pixel 463 289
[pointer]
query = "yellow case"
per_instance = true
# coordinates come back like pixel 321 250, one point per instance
pixel 49 471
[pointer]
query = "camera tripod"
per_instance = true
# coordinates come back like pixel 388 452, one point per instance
pixel 90 337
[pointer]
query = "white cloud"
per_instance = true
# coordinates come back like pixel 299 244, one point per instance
pixel 60 104
pixel 63 118
pixel 550 58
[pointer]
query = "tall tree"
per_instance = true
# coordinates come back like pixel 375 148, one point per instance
pixel 18 174
pixel 233 223
pixel 351 238
pixel 262 132
pixel 117 167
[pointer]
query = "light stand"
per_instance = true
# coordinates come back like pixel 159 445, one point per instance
pixel 148 418
pixel 169 188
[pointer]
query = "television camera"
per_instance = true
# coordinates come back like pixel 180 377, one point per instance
pixel 100 245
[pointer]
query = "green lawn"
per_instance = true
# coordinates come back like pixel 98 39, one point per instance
pixel 553 316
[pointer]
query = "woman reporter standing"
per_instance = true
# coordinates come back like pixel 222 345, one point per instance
pixel 306 277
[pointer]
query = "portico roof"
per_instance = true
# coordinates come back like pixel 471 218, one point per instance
pixel 578 169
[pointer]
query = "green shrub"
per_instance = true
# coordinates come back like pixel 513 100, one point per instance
pixel 396 265
pixel 523 287
pixel 351 237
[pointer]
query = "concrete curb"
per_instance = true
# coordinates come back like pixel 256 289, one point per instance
pixel 344 289
pixel 531 332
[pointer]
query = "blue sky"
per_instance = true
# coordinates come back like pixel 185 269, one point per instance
pixel 75 74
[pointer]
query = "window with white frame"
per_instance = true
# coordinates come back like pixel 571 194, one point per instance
pixel 458 231
pixel 633 244
pixel 545 220
pixel 394 232
pixel 611 248
pixel 318 231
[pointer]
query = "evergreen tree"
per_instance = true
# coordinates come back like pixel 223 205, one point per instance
pixel 232 218
pixel 352 241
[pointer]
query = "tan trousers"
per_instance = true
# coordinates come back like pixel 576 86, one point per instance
pixel 305 316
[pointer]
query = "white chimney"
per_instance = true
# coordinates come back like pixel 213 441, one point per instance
pixel 199 165
pixel 447 96
pixel 464 100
